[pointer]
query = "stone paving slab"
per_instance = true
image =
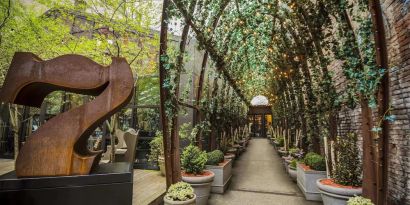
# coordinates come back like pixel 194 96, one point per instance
pixel 259 178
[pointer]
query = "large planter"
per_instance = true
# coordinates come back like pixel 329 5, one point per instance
pixel 201 184
pixel 292 173
pixel 229 156
pixel 188 202
pixel 286 161
pixel 240 149
pixel 161 164
pixel 306 179
pixel 223 174
pixel 275 145
pixel 242 143
pixel 282 152
pixel 335 194
pixel 233 150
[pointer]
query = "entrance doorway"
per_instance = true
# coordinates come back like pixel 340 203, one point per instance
pixel 261 119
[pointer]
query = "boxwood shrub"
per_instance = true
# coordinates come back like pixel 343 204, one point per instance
pixel 215 157
pixel 315 161
pixel 193 160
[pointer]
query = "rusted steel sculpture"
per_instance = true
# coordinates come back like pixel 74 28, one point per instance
pixel 59 147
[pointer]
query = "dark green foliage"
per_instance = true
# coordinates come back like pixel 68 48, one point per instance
pixel 281 141
pixel 156 148
pixel 315 161
pixel 293 164
pixel 215 157
pixel 294 151
pixel 348 166
pixel 193 160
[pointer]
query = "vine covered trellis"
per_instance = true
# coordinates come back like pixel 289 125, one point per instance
pixel 284 49
pixel 313 59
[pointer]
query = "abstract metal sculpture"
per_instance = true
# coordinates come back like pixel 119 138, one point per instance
pixel 59 147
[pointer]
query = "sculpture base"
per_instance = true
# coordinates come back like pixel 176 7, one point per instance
pixel 110 184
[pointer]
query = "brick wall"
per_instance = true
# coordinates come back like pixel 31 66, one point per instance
pixel 397 17
pixel 397 20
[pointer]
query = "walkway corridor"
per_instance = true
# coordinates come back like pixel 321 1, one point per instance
pixel 259 179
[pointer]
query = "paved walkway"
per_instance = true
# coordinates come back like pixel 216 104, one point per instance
pixel 259 179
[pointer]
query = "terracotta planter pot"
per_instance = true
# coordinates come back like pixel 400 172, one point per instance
pixel 306 179
pixel 223 174
pixel 292 173
pixel 188 202
pixel 335 194
pixel 161 164
pixel 201 184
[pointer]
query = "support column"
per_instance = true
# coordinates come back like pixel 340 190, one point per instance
pixel 171 146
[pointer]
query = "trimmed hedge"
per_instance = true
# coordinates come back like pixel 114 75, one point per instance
pixel 215 157
pixel 315 161
pixel 193 160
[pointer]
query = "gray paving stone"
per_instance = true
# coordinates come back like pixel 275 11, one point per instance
pixel 259 178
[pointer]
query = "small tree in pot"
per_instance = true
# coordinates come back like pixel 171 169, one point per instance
pixel 180 193
pixel 346 181
pixel 221 168
pixel 193 162
pixel 215 157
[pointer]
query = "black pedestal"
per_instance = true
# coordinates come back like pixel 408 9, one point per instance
pixel 111 184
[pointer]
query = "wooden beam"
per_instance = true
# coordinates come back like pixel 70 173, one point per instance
pixel 383 100
pixel 171 150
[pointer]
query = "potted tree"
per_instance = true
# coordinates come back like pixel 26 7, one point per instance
pixel 222 168
pixel 156 154
pixel 193 162
pixel 292 170
pixel 358 200
pixel 180 193
pixel 308 172
pixel 346 181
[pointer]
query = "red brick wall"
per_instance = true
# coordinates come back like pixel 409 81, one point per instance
pixel 397 17
pixel 397 21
